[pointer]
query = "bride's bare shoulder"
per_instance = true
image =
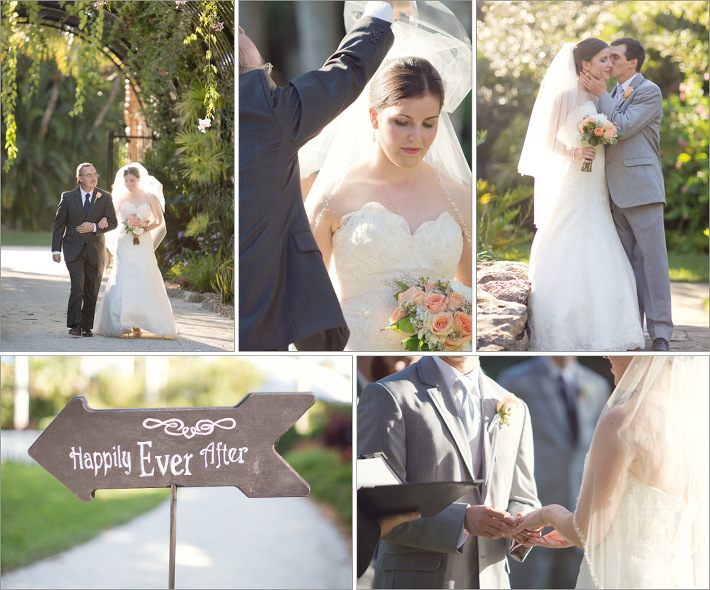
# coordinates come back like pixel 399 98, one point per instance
pixel 460 194
pixel 335 198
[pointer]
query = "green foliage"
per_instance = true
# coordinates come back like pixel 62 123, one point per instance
pixel 684 157
pixel 330 478
pixel 40 517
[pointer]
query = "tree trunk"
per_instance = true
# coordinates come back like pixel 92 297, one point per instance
pixel 117 86
pixel 49 111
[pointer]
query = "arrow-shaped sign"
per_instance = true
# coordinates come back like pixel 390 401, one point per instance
pixel 87 449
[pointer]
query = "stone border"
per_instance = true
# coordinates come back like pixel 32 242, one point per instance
pixel 209 301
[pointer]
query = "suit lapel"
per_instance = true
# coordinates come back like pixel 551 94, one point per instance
pixel 443 402
pixel 76 198
pixel 489 424
pixel 635 83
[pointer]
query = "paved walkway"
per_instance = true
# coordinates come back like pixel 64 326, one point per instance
pixel 691 332
pixel 224 540
pixel 33 296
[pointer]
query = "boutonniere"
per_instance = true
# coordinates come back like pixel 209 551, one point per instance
pixel 98 195
pixel 627 92
pixel 505 409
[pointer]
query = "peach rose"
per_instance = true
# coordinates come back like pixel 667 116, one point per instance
pixel 397 315
pixel 463 323
pixel 506 407
pixel 442 323
pixel 429 287
pixel 454 300
pixel 598 131
pixel 453 344
pixel 435 302
pixel 609 132
pixel 409 294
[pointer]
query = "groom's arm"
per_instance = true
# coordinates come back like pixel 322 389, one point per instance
pixel 523 491
pixel 382 428
pixel 645 106
pixel 312 100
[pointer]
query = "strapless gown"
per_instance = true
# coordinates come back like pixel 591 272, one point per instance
pixel 652 552
pixel 372 248
pixel 135 295
pixel 583 295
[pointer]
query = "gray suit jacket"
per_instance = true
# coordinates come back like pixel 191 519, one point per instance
pixel 633 164
pixel 285 294
pixel 558 463
pixel 413 420
pixel 70 215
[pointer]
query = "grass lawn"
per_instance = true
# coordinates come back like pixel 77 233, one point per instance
pixel 687 268
pixel 40 517
pixel 329 476
pixel 11 237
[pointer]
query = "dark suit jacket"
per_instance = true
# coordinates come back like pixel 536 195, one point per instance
pixel 285 294
pixel 70 214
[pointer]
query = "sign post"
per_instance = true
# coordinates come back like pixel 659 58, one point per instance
pixel 87 449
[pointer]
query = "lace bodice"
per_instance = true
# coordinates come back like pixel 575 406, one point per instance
pixel 374 247
pixel 127 208
pixel 653 552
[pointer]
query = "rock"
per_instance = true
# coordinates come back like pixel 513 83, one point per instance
pixel 501 306
pixel 501 271
pixel 515 290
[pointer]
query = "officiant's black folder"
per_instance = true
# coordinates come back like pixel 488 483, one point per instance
pixel 382 490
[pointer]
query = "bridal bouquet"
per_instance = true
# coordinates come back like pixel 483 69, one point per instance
pixel 596 130
pixel 136 225
pixel 437 314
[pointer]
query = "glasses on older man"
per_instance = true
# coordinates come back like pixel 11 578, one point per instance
pixel 90 176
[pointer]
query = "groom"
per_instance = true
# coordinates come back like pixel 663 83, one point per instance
pixel 77 232
pixel 285 294
pixel 635 179
pixel 436 420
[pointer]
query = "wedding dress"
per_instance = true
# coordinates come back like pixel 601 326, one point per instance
pixel 642 514
pixel 135 295
pixel 654 552
pixel 373 248
pixel 583 293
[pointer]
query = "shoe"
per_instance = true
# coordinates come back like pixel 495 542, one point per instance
pixel 660 345
pixel 87 333
pixel 75 330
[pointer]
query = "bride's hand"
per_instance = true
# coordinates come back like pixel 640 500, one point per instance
pixel 586 154
pixel 552 540
pixel 595 86
pixel 103 223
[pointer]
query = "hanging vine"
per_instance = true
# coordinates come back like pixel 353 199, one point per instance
pixel 8 56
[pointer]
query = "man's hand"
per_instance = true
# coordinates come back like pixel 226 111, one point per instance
pixel 488 521
pixel 85 228
pixel 401 7
pixel 592 84
pixel 57 257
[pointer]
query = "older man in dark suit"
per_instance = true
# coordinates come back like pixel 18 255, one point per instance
pixel 285 294
pixel 79 231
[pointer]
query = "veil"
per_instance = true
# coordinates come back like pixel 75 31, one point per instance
pixel 432 32
pixel 642 514
pixel 544 155
pixel 149 185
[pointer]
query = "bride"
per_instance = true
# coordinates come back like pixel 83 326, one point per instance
pixel 583 293
pixel 642 512
pixel 392 199
pixel 135 298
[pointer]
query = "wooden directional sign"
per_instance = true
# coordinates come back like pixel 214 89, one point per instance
pixel 89 449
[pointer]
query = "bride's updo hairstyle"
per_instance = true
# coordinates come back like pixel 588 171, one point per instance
pixel 132 170
pixel 403 78
pixel 586 50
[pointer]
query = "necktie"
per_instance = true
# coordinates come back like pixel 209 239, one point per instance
pixel 87 202
pixel 471 426
pixel 569 396
pixel 619 93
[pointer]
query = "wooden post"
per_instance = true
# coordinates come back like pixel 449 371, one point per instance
pixel 173 534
